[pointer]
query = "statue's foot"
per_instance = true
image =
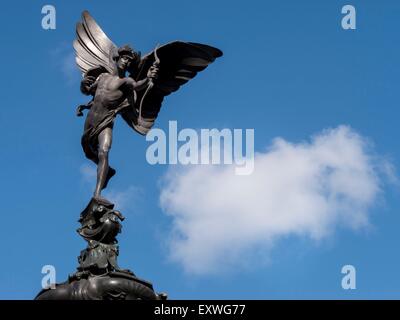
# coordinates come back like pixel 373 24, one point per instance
pixel 110 174
pixel 101 200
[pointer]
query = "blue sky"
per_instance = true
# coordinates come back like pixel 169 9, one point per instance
pixel 289 70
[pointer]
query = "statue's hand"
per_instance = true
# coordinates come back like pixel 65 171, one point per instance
pixel 89 80
pixel 87 84
pixel 152 73
pixel 79 109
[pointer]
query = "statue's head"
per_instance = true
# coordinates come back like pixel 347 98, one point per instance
pixel 127 59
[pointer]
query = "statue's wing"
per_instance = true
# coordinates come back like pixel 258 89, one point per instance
pixel 178 63
pixel 92 46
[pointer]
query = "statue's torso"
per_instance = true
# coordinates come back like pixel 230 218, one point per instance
pixel 111 91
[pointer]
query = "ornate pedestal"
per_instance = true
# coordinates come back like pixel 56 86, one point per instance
pixel 99 277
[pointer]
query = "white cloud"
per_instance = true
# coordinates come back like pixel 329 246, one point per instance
pixel 63 57
pixel 305 189
pixel 126 200
pixel 70 69
pixel 88 173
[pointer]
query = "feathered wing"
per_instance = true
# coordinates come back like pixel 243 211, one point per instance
pixel 93 48
pixel 179 62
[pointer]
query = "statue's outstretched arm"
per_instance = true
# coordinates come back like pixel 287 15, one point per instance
pixel 82 107
pixel 141 84
pixel 137 85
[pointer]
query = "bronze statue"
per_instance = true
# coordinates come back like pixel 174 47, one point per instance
pixel 136 97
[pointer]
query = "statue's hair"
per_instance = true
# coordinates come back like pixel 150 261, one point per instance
pixel 126 50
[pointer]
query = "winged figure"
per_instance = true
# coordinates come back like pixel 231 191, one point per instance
pixel 123 82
